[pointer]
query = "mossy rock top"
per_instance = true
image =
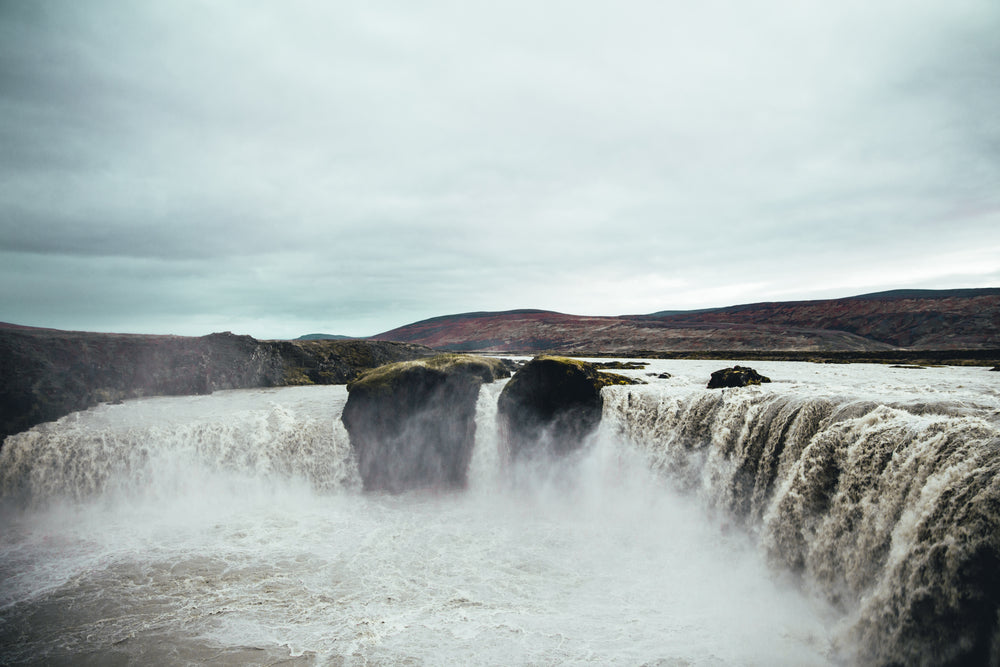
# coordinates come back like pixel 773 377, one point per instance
pixel 600 378
pixel 383 378
pixel 551 404
pixel 412 423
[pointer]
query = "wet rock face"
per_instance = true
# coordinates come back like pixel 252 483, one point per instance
pixel 551 404
pixel 47 373
pixel 412 424
pixel 737 376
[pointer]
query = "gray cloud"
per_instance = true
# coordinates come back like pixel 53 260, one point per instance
pixel 274 169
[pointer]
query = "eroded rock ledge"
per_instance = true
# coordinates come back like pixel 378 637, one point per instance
pixel 48 373
pixel 413 423
pixel 551 404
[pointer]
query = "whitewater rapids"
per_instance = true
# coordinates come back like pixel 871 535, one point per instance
pixel 230 529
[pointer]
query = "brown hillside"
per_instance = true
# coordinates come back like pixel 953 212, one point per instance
pixel 537 332
pixel 922 320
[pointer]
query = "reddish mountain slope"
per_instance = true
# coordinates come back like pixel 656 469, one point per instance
pixel 538 331
pixel 916 319
pixel 962 319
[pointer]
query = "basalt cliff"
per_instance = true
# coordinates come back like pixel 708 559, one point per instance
pixel 49 373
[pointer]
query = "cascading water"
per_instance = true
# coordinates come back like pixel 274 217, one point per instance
pixel 885 500
pixel 170 446
pixel 231 529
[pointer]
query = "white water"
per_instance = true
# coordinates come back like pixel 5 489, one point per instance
pixel 877 487
pixel 229 529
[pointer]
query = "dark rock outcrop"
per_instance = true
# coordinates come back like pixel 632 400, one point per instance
pixel 621 365
pixel 551 404
pixel 737 376
pixel 412 424
pixel 47 373
pixel 340 361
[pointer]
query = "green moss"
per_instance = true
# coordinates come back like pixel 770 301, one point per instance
pixel 382 379
pixel 600 378
pixel 296 375
pixel 570 361
pixel 613 379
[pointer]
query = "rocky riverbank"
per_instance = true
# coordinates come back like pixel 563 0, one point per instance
pixel 49 373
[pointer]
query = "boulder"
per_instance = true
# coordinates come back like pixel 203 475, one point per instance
pixel 550 405
pixel 412 423
pixel 737 376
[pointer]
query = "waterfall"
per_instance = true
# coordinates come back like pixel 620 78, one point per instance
pixel 890 511
pixel 485 467
pixel 165 447
pixel 850 517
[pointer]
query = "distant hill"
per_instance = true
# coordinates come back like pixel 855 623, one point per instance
pixel 323 336
pixel 914 319
pixel 899 319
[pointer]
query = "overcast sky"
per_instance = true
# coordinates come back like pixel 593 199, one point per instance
pixel 281 168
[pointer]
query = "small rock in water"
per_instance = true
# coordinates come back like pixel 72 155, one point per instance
pixel 737 376
pixel 621 365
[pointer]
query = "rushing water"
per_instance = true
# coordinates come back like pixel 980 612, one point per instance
pixel 230 529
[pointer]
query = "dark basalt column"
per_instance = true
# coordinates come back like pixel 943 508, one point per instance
pixel 412 424
pixel 47 373
pixel 550 405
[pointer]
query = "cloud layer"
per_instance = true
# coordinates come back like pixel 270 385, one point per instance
pixel 277 169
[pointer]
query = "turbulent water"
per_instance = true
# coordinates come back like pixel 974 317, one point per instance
pixel 812 521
